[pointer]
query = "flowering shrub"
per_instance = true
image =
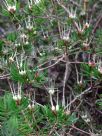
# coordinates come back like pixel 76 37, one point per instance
pixel 50 59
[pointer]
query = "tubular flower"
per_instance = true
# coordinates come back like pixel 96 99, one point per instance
pixel 17 95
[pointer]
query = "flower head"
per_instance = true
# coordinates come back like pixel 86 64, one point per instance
pixel 65 33
pixel 15 97
pixel 87 25
pixel 11 59
pixel 72 13
pixel 29 24
pixel 16 94
pixel 51 91
pixel 85 46
pixel 11 7
pixel 80 83
pixel 100 70
pixel 65 37
pixel 22 72
pixel 85 117
pixel 91 63
pixel 31 106
pixel 24 38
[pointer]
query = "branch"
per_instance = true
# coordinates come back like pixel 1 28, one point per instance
pixel 66 76
pixel 52 64
pixel 78 97
pixel 4 76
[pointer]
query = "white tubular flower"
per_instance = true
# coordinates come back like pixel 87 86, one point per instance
pixel 26 43
pixel 57 107
pixel 37 2
pixel 15 97
pixel 30 106
pixel 22 72
pixel 11 59
pixel 33 105
pixel 86 45
pixel 52 105
pixel 29 24
pixel 100 69
pixel 35 32
pixel 65 37
pixel 87 120
pixel 84 116
pixel 23 37
pixel 10 7
pixel 21 67
pixel 80 82
pixel 87 25
pixel 51 91
pixel 30 4
pixel 19 97
pixel 53 108
pixel 80 28
pixel 17 44
pixel 67 112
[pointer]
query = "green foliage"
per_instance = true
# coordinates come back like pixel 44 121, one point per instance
pixel 99 102
pixel 18 120
pixel 98 41
pixel 45 34
pixel 90 71
pixel 5 12
pixel 11 37
pixel 59 118
pixel 1 45
pixel 11 117
pixel 10 127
